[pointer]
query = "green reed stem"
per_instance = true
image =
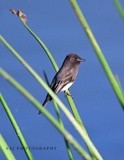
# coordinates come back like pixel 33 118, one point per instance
pixel 119 8
pixel 116 87
pixel 5 149
pixel 16 128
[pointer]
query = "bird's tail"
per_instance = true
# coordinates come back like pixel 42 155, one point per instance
pixel 44 103
pixel 47 99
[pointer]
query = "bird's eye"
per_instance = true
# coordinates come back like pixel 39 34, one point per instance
pixel 77 59
pixel 72 59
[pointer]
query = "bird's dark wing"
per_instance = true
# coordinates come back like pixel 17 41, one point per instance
pixel 61 80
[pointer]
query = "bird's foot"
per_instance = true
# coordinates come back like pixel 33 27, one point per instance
pixel 68 94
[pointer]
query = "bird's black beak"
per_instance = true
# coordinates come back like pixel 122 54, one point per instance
pixel 79 59
pixel 82 60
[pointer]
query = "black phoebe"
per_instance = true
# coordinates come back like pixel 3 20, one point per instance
pixel 66 75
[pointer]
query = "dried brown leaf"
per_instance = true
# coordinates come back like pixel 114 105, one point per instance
pixel 20 14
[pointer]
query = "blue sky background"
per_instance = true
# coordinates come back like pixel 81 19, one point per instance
pixel 57 25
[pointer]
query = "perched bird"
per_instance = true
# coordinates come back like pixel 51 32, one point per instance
pixel 66 75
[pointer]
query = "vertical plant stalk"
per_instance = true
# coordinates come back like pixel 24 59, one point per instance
pixel 16 128
pixel 69 151
pixel 105 66
pixel 44 47
pixel 68 148
pixel 6 150
pixel 119 8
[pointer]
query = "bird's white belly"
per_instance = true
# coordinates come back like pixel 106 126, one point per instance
pixel 67 86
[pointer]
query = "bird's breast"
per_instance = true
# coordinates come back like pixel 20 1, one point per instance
pixel 67 86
